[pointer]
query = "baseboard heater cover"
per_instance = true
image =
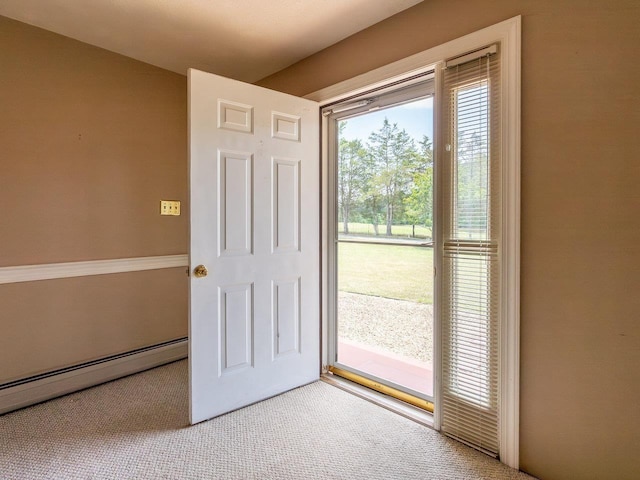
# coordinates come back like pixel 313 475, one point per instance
pixel 29 391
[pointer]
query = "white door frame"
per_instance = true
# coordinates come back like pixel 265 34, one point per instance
pixel 508 34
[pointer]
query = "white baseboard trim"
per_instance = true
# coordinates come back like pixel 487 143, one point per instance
pixel 71 380
pixel 50 271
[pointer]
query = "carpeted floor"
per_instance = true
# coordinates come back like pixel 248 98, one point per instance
pixel 136 428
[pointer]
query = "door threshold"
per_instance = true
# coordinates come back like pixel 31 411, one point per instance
pixel 411 412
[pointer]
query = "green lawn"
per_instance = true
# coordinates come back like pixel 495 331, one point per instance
pixel 391 271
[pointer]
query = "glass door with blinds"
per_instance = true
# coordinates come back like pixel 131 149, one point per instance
pixel 382 234
pixel 389 231
pixel 470 170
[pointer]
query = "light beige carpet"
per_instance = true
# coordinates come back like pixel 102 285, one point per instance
pixel 136 428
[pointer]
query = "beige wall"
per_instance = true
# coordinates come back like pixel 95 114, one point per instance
pixel 90 141
pixel 57 323
pixel 580 309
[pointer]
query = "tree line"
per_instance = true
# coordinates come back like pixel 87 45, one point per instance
pixel 386 180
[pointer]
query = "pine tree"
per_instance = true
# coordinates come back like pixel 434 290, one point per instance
pixel 393 158
pixel 351 176
pixel 419 203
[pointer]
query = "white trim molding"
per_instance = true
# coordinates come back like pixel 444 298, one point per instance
pixel 510 38
pixel 50 271
pixel 507 33
pixel 48 386
pixel 418 63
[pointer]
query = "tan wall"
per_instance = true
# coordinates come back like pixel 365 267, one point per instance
pixel 73 320
pixel 90 141
pixel 580 307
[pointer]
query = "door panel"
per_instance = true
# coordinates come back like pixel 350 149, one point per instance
pixel 286 205
pixel 286 316
pixel 254 319
pixel 236 328
pixel 235 221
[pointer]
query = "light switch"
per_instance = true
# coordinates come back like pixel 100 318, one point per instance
pixel 169 207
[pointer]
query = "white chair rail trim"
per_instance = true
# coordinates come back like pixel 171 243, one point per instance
pixel 51 271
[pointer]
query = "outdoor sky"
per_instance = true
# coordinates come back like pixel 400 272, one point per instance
pixel 415 117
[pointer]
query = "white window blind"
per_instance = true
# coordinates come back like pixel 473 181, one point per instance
pixel 471 231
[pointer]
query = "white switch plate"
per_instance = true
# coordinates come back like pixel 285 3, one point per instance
pixel 169 207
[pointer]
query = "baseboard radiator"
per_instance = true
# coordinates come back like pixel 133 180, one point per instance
pixel 29 391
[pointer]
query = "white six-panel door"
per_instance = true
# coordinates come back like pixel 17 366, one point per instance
pixel 254 176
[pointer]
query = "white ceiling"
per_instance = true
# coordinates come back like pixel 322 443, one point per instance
pixel 242 39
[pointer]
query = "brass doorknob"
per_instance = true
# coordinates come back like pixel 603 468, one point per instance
pixel 200 271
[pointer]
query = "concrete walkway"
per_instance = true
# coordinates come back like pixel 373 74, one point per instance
pixel 391 339
pixel 400 370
